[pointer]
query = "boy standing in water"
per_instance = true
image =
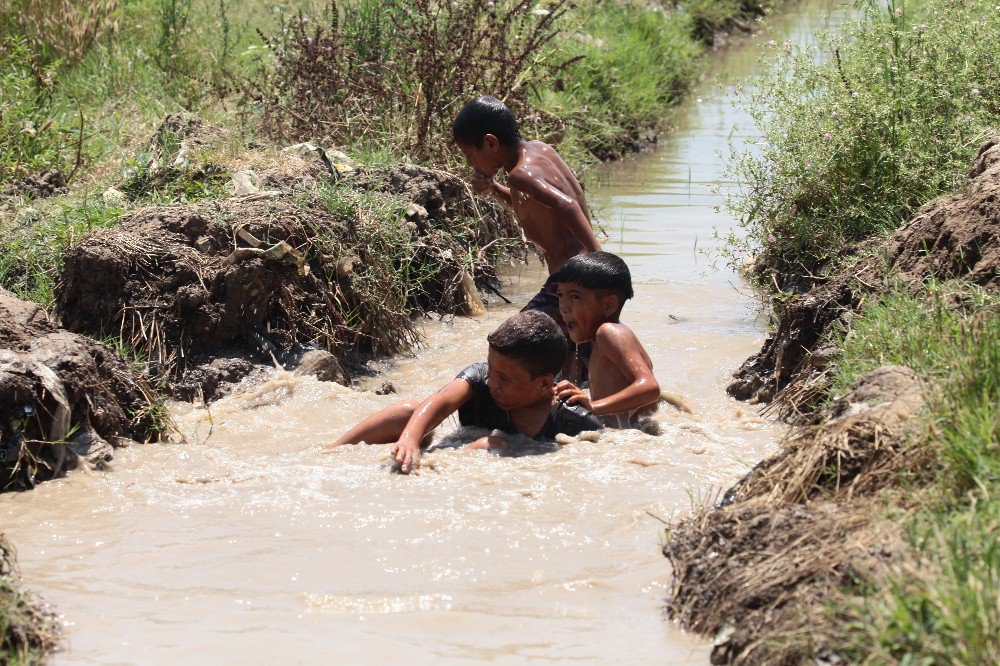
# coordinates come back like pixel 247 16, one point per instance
pixel 592 290
pixel 514 391
pixel 542 190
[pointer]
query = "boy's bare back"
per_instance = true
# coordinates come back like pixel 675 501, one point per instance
pixel 550 205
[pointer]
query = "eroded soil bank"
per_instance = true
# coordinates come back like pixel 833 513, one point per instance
pixel 757 572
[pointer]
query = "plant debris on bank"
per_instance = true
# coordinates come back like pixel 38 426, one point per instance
pixel 28 629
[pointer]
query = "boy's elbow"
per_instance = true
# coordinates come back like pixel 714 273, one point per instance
pixel 652 392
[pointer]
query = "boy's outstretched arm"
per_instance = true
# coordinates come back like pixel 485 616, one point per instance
pixel 623 349
pixel 428 416
pixel 573 216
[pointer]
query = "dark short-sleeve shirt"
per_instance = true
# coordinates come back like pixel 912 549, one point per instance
pixel 483 412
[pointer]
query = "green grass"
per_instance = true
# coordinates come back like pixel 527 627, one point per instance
pixel 941 605
pixel 854 141
pixel 31 247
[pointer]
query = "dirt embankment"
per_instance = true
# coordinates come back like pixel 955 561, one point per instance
pixel 756 571
pixel 63 397
pixel 955 237
pixel 28 629
pixel 211 290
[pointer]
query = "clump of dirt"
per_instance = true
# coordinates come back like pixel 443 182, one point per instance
pixel 269 274
pixel 179 150
pixel 62 396
pixel 755 571
pixel 756 576
pixel 180 140
pixel 28 628
pixel 44 184
pixel 856 451
pixel 956 237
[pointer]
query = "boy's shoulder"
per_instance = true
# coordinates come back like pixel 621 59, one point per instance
pixel 536 159
pixel 615 333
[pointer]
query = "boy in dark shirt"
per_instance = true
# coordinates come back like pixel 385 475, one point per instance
pixel 541 189
pixel 513 392
pixel 592 290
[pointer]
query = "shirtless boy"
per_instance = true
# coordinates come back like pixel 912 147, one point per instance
pixel 592 290
pixel 542 190
pixel 514 391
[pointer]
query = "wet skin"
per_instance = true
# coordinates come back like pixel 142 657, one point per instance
pixel 543 192
pixel 621 372
pixel 528 401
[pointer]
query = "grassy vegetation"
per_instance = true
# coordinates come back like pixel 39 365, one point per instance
pixel 27 631
pixel 853 142
pixel 941 603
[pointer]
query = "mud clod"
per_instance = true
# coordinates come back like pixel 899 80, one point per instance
pixel 44 184
pixel 61 394
pixel 322 365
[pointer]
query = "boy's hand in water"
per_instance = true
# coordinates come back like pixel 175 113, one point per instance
pixel 481 183
pixel 573 395
pixel 406 453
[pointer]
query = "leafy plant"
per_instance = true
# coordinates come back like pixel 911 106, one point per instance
pixel 852 143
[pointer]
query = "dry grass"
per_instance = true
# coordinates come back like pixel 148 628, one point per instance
pixel 62 29
pixel 756 576
pixel 757 572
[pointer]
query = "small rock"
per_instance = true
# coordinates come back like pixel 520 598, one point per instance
pixel 323 365
pixel 114 198
pixel 385 388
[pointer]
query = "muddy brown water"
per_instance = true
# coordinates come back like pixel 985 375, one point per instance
pixel 251 545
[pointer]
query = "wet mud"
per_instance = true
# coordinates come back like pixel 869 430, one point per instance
pixel 63 398
pixel 216 291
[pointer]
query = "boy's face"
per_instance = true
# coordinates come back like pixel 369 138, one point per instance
pixel 485 159
pixel 512 386
pixel 584 309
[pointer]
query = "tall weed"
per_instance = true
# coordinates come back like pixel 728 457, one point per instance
pixel 30 141
pixel 59 30
pixel 853 143
pixel 396 72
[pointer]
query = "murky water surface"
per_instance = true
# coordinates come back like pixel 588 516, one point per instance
pixel 252 545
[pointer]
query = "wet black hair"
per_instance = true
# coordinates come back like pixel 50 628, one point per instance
pixel 533 339
pixel 597 270
pixel 482 116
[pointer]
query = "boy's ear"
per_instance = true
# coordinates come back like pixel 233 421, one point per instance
pixel 545 382
pixel 491 141
pixel 611 303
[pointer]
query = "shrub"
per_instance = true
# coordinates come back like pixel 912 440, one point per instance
pixel 851 144
pixel 396 72
pixel 29 140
